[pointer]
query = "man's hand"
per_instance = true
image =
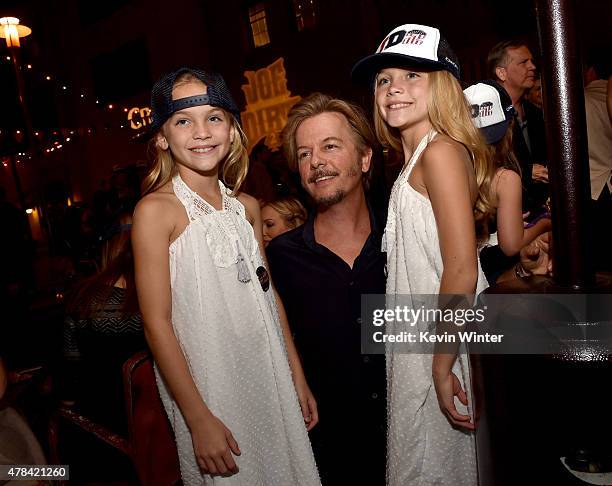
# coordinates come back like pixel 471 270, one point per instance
pixel 539 173
pixel 535 257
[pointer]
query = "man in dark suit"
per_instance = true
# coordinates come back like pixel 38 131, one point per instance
pixel 511 64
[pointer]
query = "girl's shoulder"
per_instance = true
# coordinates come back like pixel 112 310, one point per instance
pixel 507 183
pixel 159 206
pixel 444 150
pixel 251 206
pixel 164 196
pixel 505 176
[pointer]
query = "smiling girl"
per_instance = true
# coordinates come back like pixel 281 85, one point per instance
pixel 430 240
pixel 227 369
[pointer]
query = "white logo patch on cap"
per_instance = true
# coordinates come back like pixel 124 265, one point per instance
pixel 485 104
pixel 412 40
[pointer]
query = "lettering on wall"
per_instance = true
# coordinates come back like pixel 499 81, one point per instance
pixel 139 117
pixel 268 102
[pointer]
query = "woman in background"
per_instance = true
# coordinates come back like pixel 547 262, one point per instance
pixel 280 216
pixel 102 329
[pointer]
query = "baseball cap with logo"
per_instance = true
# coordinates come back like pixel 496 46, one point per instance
pixel 491 108
pixel 163 106
pixel 409 45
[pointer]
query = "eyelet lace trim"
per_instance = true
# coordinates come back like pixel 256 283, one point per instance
pixel 222 228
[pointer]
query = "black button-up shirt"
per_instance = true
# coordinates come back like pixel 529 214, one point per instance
pixel 322 296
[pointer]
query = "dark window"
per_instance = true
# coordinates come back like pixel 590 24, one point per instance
pixel 259 26
pixel 306 13
pixel 121 73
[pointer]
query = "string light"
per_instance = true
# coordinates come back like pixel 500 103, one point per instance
pixel 56 145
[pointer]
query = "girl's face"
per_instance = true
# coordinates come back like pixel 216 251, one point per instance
pixel 401 97
pixel 273 224
pixel 199 136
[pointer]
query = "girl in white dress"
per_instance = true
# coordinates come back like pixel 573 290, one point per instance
pixel 431 245
pixel 227 369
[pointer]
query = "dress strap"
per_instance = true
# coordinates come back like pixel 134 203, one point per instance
pixel 197 206
pixel 429 136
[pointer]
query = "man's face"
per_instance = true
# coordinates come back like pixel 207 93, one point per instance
pixel 329 163
pixel 519 73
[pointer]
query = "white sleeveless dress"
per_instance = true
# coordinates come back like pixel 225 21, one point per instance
pixel 229 330
pixel 423 448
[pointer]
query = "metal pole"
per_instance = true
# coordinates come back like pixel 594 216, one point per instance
pixel 567 143
pixel 28 122
pixel 21 92
pixel 18 188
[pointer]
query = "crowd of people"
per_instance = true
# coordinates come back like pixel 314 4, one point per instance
pixel 251 308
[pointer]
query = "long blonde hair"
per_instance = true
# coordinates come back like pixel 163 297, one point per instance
pixel 451 117
pixel 233 170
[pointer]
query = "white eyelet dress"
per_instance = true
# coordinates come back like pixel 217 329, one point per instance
pixel 229 330
pixel 423 448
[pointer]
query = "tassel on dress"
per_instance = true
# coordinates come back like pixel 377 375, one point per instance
pixel 244 275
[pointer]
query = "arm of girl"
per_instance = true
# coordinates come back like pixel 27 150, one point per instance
pixel 446 176
pixel 153 224
pixel 511 234
pixel 307 401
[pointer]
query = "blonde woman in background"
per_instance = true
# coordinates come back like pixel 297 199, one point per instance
pixel 281 216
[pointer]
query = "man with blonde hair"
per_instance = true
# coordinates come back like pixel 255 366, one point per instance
pixel 320 270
